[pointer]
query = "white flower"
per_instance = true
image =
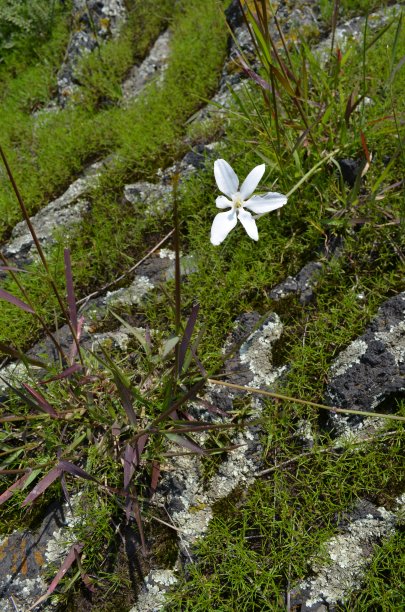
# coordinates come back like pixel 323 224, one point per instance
pixel 228 183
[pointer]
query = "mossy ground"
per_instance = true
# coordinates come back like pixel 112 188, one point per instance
pixel 260 541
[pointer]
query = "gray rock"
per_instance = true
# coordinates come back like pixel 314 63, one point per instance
pixel 26 556
pixel 302 284
pixel 353 29
pixel 95 20
pixel 63 213
pixel 152 68
pixel 371 369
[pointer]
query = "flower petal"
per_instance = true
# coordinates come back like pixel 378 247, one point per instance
pixel 251 181
pixel 248 223
pixel 225 177
pixel 222 225
pixel 223 202
pixel 266 203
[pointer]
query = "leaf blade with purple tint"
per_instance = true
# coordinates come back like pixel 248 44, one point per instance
pixel 71 298
pixel 42 403
pixel 188 332
pixel 11 299
pixel 42 485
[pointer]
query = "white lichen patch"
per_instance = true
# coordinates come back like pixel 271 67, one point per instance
pixel 63 212
pixel 349 555
pixel 13 374
pixel 394 340
pixel 167 254
pixel 119 338
pixel 130 295
pixel 25 591
pixel 348 357
pixel 355 433
pixel 156 584
pixel 152 68
pixel 62 537
pixel 256 353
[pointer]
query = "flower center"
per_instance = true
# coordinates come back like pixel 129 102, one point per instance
pixel 237 200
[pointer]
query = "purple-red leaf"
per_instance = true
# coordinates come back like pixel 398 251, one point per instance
pixel 75 470
pixel 155 475
pixel 41 401
pixel 76 367
pixel 126 398
pixel 17 485
pixel 65 491
pixel 11 269
pixel 17 354
pixel 42 485
pixel 68 562
pixel 188 332
pixel 129 468
pixel 133 508
pixel 71 299
pixel 5 295
pixel 140 445
pixel 252 74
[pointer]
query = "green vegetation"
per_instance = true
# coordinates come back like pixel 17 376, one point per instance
pixel 260 541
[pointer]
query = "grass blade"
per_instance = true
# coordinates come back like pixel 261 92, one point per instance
pixel 68 562
pixel 188 332
pixel 186 442
pixel 15 486
pixel 71 299
pixel 11 299
pixel 42 402
pixel 75 470
pixel 43 484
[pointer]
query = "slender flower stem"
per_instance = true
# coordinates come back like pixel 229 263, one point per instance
pixel 177 272
pixel 40 250
pixel 295 400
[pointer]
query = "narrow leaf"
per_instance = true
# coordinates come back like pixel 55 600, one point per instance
pixel 11 269
pixel 42 485
pixel 129 468
pixel 126 398
pixel 76 367
pixel 188 332
pixel 25 398
pixel 365 148
pixel 379 34
pixel 66 565
pixel 17 354
pixel 17 485
pixel 140 445
pixel 137 514
pixel 155 475
pixel 143 341
pixel 42 403
pixel 186 442
pixel 254 76
pixel 71 299
pixel 168 346
pixel 5 295
pixel 75 470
